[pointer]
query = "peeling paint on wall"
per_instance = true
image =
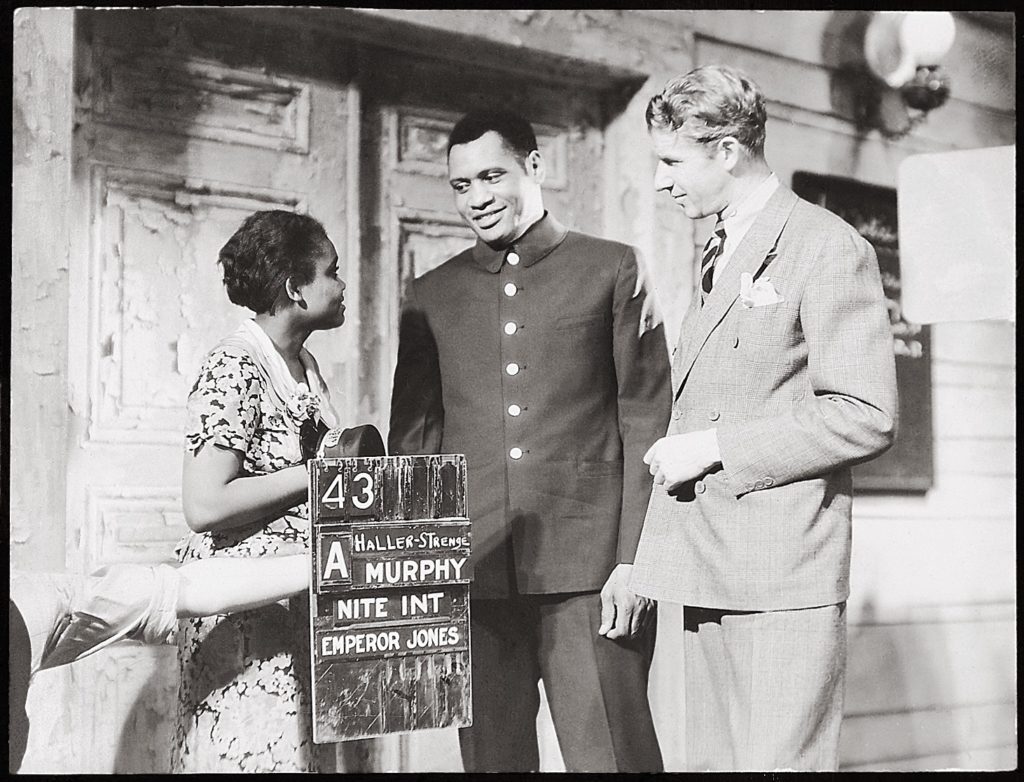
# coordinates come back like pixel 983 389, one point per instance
pixel 41 141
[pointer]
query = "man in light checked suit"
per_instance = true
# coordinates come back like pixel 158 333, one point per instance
pixel 783 378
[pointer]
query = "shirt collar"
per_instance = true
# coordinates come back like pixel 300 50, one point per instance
pixel 539 240
pixel 752 203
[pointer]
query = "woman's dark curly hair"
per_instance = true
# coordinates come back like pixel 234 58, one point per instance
pixel 267 249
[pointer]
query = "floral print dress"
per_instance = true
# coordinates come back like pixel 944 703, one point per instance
pixel 243 698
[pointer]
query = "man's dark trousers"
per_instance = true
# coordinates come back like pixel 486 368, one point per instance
pixel 596 687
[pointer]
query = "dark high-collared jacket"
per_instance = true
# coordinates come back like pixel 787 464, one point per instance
pixel 543 364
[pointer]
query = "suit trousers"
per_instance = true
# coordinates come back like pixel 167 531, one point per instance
pixel 596 687
pixel 764 690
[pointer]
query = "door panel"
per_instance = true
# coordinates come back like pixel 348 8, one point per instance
pixel 177 149
pixel 185 124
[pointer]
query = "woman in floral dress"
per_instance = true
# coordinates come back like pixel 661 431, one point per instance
pixel 254 415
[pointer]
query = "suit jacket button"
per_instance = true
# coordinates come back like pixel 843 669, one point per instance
pixel 758 485
pixel 714 415
pixel 516 453
pixel 768 481
pixel 699 487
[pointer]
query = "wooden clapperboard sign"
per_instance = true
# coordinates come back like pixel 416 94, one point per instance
pixel 389 596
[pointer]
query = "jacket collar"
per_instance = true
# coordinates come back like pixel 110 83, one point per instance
pixel 539 240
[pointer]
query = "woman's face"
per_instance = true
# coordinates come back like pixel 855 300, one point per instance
pixel 324 295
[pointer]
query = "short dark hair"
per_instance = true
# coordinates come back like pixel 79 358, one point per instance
pixel 267 249
pixel 515 131
pixel 710 103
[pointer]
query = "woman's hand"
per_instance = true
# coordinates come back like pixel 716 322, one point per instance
pixel 216 496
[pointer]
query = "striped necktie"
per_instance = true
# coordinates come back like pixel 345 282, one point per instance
pixel 712 252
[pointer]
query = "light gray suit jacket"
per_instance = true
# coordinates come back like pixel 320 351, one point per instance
pixel 799 391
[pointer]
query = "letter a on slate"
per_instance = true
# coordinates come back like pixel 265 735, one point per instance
pixel 335 561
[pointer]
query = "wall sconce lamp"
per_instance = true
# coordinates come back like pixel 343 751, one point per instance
pixel 903 50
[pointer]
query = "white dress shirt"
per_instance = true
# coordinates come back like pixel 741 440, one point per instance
pixel 738 218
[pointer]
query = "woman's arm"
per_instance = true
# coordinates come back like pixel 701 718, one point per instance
pixel 216 496
pixel 223 585
pixel 69 616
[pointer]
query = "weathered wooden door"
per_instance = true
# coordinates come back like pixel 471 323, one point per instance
pixel 185 125
pixel 186 121
pixel 409 107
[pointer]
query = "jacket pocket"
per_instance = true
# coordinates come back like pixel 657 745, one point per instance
pixel 768 327
pixel 582 337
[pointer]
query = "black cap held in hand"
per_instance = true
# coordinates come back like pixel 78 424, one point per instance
pixel 362 440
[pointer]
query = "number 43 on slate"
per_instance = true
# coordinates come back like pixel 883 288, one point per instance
pixel 358 495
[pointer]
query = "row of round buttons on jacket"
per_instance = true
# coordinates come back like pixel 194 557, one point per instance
pixel 513 368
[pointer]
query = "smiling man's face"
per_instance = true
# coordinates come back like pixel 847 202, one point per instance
pixel 495 195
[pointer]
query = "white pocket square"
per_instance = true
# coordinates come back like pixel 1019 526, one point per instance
pixel 757 294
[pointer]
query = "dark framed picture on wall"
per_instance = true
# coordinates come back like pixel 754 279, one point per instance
pixel 871 209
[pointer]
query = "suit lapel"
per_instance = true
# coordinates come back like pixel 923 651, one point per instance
pixel 748 257
pixel 686 331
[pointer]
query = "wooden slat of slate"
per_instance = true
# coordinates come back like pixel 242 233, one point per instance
pixel 423 487
pixel 407 487
pixel 376 697
pixel 414 478
pixel 424 692
pixel 448 486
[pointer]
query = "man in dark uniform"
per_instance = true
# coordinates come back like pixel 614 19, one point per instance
pixel 535 354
